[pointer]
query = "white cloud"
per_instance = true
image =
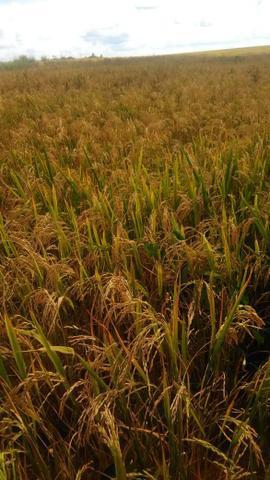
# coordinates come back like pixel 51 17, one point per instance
pixel 124 27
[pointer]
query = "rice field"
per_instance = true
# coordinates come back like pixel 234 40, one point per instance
pixel 135 268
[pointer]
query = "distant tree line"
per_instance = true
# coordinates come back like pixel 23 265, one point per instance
pixel 24 61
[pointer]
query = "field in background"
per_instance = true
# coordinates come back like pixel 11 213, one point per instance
pixel 232 52
pixel 134 269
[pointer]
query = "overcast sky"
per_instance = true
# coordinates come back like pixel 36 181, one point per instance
pixel 129 27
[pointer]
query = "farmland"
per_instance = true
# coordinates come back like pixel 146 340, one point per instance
pixel 135 268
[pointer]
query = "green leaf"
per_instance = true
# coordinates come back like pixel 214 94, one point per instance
pixel 17 352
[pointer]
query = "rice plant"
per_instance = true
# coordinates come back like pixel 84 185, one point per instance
pixel 134 269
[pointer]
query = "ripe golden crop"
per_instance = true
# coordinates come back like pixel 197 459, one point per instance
pixel 134 268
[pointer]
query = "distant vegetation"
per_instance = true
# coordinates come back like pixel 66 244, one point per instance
pixel 24 61
pixel 235 54
pixel 20 62
pixel 135 269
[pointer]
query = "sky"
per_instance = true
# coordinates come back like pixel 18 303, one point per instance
pixel 129 27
